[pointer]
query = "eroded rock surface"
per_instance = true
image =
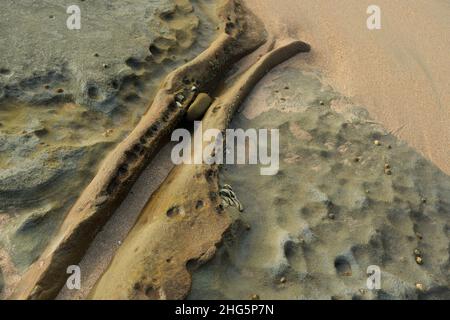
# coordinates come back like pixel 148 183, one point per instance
pixel 121 167
pixel 348 195
pixel 113 59
pixel 67 97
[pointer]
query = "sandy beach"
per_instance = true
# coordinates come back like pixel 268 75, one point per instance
pixel 400 73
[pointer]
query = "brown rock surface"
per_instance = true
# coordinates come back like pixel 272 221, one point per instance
pixel 183 222
pixel 123 165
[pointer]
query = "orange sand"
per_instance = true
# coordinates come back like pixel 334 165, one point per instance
pixel 400 73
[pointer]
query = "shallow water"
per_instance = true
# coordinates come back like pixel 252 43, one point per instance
pixel 339 204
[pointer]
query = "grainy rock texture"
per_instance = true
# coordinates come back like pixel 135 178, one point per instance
pixel 120 48
pixel 47 155
pixel 67 97
pixel 348 195
pixel 184 221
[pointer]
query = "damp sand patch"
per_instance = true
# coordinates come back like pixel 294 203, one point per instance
pixel 348 195
pixel 62 112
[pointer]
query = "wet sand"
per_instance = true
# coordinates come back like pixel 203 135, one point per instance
pixel 400 73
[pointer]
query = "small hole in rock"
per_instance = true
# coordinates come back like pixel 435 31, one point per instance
pixel 154 50
pixel 92 92
pixel 4 71
pixel 342 266
pixel 133 63
pixel 199 204
pixel 173 211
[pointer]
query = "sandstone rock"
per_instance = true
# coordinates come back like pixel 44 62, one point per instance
pixel 198 107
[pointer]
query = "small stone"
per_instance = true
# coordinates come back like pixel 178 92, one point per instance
pixel 387 166
pixel 331 216
pixel 417 252
pixel 388 172
pixel 119 242
pixel 424 200
pixel 105 66
pixel 247 227
pixel 419 236
pixel 389 147
pixel 321 103
pixel 60 90
pixel 420 287
pixel 419 260
pixel 199 107
pixel 255 297
pixel 377 143
pixel 282 280
pixel 194 89
pixel 96 55
pixel 358 159
pixel 362 291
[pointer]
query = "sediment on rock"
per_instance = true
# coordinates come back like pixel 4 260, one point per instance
pixel 184 221
pixel 240 35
